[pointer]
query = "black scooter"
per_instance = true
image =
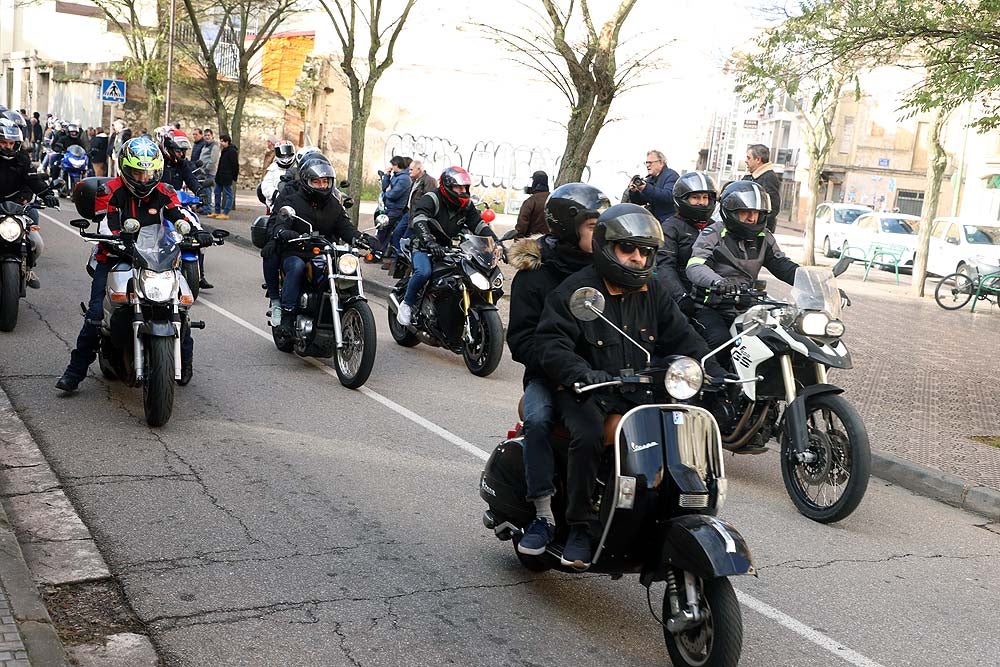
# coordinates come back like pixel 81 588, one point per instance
pixel 662 484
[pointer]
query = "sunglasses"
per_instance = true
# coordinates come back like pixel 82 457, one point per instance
pixel 649 163
pixel 629 248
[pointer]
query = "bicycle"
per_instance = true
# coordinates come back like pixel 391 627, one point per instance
pixel 957 289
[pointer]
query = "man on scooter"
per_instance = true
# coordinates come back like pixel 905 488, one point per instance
pixel 571 351
pixel 135 193
pixel 729 255
pixel 571 213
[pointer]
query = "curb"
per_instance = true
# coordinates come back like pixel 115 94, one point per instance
pixel 941 486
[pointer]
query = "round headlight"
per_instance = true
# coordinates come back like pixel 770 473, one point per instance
pixel 835 328
pixel 184 227
pixel 479 280
pixel 382 219
pixel 684 378
pixel 814 324
pixel 131 225
pixel 159 287
pixel 347 264
pixel 10 230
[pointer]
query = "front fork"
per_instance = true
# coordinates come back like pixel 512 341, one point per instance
pixel 467 311
pixel 334 301
pixel 795 411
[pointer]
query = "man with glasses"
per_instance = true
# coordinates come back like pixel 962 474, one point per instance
pixel 656 191
pixel 625 241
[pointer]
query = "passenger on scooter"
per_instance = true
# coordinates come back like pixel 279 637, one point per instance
pixel 135 193
pixel 15 165
pixel 439 217
pixel 625 242
pixel 695 197
pixel 571 213
pixel 728 257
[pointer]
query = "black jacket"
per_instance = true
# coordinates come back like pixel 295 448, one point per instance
pixel 229 166
pixel 541 266
pixel 99 149
pixel 328 218
pixel 196 150
pixel 679 235
pixel 436 221
pixel 766 177
pixel 180 174
pixel 14 178
pixel 569 348
pixel 62 141
pixel 658 196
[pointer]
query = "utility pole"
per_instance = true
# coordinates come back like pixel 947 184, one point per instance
pixel 170 62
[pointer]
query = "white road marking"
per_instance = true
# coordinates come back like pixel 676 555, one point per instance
pixel 815 636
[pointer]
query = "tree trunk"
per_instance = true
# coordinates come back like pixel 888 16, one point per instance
pixel 362 108
pixel 586 120
pixel 935 175
pixel 811 197
pixel 242 91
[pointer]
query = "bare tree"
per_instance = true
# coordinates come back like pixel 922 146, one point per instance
pixel 363 73
pixel 585 70
pixel 241 26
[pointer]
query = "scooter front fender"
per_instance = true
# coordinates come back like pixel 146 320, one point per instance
pixel 796 429
pixel 158 329
pixel 706 547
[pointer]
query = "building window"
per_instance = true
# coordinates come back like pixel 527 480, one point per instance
pixel 847 135
pixel 910 202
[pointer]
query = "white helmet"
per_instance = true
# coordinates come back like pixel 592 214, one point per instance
pixel 302 153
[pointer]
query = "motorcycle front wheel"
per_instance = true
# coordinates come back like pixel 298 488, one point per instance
pixel 482 356
pixel 831 486
pixel 192 275
pixel 158 386
pixel 356 358
pixel 10 292
pixel 715 642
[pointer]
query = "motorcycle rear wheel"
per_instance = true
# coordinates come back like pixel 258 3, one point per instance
pixel 400 334
pixel 838 438
pixel 718 640
pixel 158 386
pixel 192 274
pixel 356 358
pixel 10 293
pixel 483 356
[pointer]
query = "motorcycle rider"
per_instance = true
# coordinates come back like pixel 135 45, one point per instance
pixel 571 212
pixel 695 197
pixel 728 257
pixel 178 172
pixel 625 242
pixel 136 192
pixel 15 165
pixel 284 158
pixel 314 202
pixel 439 217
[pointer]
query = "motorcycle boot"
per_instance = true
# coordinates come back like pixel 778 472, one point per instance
pixel 33 281
pixel 68 383
pixel 187 370
pixel 286 323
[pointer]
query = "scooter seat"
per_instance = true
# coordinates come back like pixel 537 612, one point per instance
pixel 561 433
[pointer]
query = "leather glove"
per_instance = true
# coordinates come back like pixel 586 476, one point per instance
pixel 726 287
pixel 347 203
pixel 686 304
pixel 436 251
pixel 595 377
pixel 204 238
pixel 51 201
pixel 287 234
pixel 269 250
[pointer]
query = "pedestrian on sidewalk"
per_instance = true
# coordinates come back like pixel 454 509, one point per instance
pixel 531 217
pixel 225 177
pixel 99 152
pixel 209 156
pixel 762 172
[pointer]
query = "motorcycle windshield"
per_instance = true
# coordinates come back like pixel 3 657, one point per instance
pixel 76 151
pixel 157 246
pixel 816 289
pixel 480 249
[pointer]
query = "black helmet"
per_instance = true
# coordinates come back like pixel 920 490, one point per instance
pixel 316 168
pixel 571 204
pixel 744 196
pixel 626 223
pixel 692 182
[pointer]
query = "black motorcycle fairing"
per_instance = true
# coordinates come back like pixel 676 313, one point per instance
pixel 158 329
pixel 819 355
pixel 706 547
pixel 794 418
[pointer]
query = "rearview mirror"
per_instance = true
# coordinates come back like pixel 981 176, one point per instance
pixel 760 285
pixel 509 235
pixel 586 304
pixel 131 226
pixel 842 265
pixel 80 224
pixel 286 212
pixel 220 233
pixel 345 184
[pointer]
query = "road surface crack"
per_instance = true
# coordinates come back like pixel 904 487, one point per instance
pixel 815 565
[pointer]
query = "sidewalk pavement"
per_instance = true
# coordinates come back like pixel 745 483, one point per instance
pixel 924 379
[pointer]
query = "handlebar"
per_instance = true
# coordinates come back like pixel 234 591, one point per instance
pixel 580 388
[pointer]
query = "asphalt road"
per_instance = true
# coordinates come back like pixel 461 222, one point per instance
pixel 281 519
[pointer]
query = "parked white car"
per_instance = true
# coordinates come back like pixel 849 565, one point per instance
pixel 888 229
pixel 833 221
pixel 957 243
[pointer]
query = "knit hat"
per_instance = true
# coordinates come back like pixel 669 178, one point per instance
pixel 539 182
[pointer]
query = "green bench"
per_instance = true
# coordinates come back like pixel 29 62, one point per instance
pixel 883 255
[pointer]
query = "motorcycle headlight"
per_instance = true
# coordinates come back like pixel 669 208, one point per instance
pixel 381 219
pixel 814 324
pixel 184 227
pixel 480 281
pixel 347 264
pixel 835 328
pixel 158 287
pixel 10 230
pixel 684 378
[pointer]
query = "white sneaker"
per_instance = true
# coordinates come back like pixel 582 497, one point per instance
pixel 405 314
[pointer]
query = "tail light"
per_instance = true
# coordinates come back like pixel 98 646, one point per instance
pixel 513 433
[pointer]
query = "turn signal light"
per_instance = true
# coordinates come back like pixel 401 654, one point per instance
pixel 187 300
pixel 369 257
pixel 315 251
pixel 119 297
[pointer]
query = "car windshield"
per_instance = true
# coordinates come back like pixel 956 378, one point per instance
pixel 982 235
pixel 481 249
pixel 899 226
pixel 816 289
pixel 157 246
pixel 847 216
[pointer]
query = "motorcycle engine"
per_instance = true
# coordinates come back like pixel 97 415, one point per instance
pixel 726 414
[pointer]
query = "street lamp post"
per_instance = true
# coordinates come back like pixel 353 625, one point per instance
pixel 170 63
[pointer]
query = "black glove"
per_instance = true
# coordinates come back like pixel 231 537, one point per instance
pixel 269 250
pixel 726 287
pixel 203 237
pixel 287 234
pixel 595 377
pixel 347 203
pixel 436 251
pixel 686 304
pixel 51 201
pixel 366 240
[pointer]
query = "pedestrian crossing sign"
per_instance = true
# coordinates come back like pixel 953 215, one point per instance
pixel 113 90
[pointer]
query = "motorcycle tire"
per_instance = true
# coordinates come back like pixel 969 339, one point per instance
pixel 10 294
pixel 399 333
pixel 358 327
pixel 718 640
pixel 158 386
pixel 856 456
pixel 483 356
pixel 192 274
pixel 106 369
pixel 283 343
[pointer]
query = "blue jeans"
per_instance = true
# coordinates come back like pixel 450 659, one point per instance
pixel 421 274
pixel 205 195
pixel 539 463
pixel 223 198
pixel 401 232
pixel 295 274
pixel 272 267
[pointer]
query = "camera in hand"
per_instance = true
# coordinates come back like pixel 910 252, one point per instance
pixel 637 180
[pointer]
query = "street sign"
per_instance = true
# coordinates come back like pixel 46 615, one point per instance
pixel 883 162
pixel 113 90
pixel 749 124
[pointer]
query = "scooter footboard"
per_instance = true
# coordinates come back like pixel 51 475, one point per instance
pixel 706 547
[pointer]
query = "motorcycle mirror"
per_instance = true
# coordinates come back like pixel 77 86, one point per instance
pixel 347 203
pixel 131 226
pixel 509 235
pixel 842 265
pixel 80 224
pixel 345 184
pixel 286 212
pixel 220 233
pixel 586 304
pixel 760 285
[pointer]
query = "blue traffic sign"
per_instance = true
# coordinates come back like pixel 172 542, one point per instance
pixel 113 90
pixel 883 162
